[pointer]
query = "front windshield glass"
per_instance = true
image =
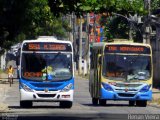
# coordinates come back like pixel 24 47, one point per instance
pixel 126 67
pixel 46 66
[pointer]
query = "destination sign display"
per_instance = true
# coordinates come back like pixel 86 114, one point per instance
pixel 127 49
pixel 39 46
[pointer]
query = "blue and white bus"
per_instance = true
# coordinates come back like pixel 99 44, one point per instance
pixel 46 72
pixel 121 70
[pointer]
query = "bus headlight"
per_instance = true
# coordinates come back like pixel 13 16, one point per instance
pixel 26 88
pixel 107 87
pixel 67 88
pixel 145 88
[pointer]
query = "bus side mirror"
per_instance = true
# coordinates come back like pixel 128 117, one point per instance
pixel 100 59
pixel 18 57
pixel 17 61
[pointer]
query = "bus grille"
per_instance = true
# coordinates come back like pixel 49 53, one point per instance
pixel 46 95
pixel 134 90
pixel 126 95
pixel 46 85
pixel 129 85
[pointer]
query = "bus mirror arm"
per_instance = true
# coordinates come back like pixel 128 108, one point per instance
pixel 100 59
pixel 17 61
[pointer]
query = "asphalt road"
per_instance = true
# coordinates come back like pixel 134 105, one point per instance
pixel 82 108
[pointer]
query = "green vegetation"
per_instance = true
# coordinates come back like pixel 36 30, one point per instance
pixel 1 71
pixel 26 19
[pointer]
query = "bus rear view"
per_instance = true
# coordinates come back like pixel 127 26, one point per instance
pixel 46 72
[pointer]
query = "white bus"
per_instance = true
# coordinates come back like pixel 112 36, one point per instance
pixel 46 72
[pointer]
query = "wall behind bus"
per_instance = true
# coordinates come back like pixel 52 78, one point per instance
pixel 155 43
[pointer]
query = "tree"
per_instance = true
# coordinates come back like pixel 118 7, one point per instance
pixel 120 26
pixel 124 7
pixel 25 19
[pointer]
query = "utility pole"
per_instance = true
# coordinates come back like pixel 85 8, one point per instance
pixel 94 28
pixel 130 31
pixel 71 25
pixel 74 42
pixel 87 44
pixel 147 5
pixel 80 47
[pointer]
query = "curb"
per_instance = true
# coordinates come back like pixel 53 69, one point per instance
pixel 156 92
pixel 154 105
pixel 3 107
pixel 82 76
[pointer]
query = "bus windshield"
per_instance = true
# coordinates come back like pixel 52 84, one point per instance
pixel 126 67
pixel 46 66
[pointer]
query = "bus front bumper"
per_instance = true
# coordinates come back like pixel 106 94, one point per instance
pixel 111 95
pixel 54 96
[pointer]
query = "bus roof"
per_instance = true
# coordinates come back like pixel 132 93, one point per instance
pixel 47 39
pixel 102 44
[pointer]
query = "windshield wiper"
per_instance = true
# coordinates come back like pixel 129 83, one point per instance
pixel 46 74
pixel 56 56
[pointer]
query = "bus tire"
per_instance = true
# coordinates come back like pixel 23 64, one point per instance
pixel 66 104
pixel 26 104
pixel 131 103
pixel 95 101
pixel 102 102
pixel 141 103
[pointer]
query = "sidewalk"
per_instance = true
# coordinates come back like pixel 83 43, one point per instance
pixel 4 87
pixel 156 98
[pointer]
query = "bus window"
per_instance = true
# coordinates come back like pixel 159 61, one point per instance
pixel 60 63
pixel 120 66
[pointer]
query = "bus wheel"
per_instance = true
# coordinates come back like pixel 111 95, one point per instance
pixel 26 104
pixel 95 101
pixel 131 103
pixel 141 103
pixel 102 102
pixel 65 104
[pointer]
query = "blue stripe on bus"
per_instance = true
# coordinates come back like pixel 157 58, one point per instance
pixel 52 86
pixel 111 95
